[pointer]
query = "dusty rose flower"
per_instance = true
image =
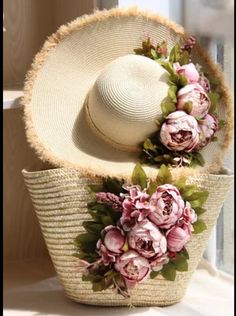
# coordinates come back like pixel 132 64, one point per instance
pixel 133 267
pixel 208 126
pixel 162 50
pixel 109 198
pixel 204 82
pixel 180 132
pixel 188 44
pixel 107 256
pixel 158 262
pixel 189 215
pixel 166 206
pixel 147 239
pixel 189 71
pixel 111 243
pixel 135 207
pixel 196 94
pixel 177 237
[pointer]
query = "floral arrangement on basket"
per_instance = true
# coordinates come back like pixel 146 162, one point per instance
pixel 138 230
pixel 189 117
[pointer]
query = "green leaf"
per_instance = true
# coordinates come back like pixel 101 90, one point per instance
pixel 184 253
pixel 154 54
pixel 86 242
pixel 153 274
pixel 199 226
pixel 172 94
pixel 185 193
pixel 125 247
pixel 87 256
pixel 214 139
pixel 168 271
pixel 159 158
pixel 88 277
pixel 92 227
pixel 113 185
pixel 110 273
pixel 98 286
pixel 159 121
pixel 188 107
pixel 148 145
pixel 152 188
pixel 94 188
pixel 221 124
pixel 182 80
pixel 180 183
pixel 95 206
pixel 173 79
pixel 180 263
pixel 199 210
pixel 167 157
pixel 199 159
pixel 175 54
pixel 107 220
pixel 213 80
pixel 212 108
pixel 167 66
pixel 139 176
pixel 167 106
pixel 196 203
pixel 164 175
pixel 138 51
pixel 214 98
pixel 184 58
pixel 188 190
pixel 202 195
pixel 86 238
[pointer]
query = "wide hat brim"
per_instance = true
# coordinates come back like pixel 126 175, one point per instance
pixel 65 70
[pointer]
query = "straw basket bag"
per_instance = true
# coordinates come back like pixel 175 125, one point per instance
pixel 60 200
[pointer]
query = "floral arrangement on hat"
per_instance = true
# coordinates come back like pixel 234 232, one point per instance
pixel 189 119
pixel 138 230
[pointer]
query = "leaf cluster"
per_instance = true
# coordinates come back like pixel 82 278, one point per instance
pixel 151 51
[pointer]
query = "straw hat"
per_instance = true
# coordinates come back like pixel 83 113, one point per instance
pixel 89 100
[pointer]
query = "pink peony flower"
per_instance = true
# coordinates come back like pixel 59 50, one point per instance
pixel 204 82
pixel 166 206
pixel 189 71
pixel 208 126
pixel 147 239
pixel 133 267
pixel 158 262
pixel 196 94
pixel 111 243
pixel 177 237
pixel 135 207
pixel 180 132
pixel 189 215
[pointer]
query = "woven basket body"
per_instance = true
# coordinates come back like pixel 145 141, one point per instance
pixel 60 200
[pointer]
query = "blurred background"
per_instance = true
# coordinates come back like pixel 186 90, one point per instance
pixel 27 24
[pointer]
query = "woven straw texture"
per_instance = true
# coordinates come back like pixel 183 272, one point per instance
pixel 65 70
pixel 60 200
pixel 127 93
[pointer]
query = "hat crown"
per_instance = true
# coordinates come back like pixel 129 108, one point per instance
pixel 125 99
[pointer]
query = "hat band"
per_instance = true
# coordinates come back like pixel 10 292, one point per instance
pixel 102 136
